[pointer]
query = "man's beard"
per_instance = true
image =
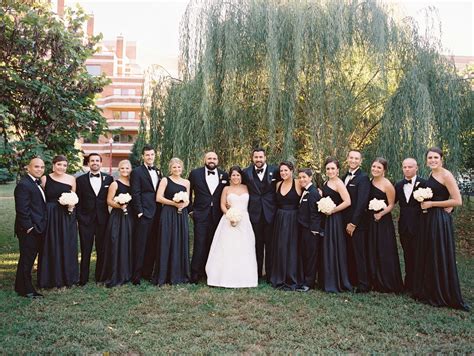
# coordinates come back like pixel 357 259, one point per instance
pixel 208 166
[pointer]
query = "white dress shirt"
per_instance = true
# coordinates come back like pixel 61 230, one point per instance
pixel 39 187
pixel 262 174
pixel 349 177
pixel 408 188
pixel 212 180
pixel 96 183
pixel 154 176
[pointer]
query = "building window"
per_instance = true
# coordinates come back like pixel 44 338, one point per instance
pixel 117 91
pixel 93 70
pixel 124 115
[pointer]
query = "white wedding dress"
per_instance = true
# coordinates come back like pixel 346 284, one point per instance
pixel 232 262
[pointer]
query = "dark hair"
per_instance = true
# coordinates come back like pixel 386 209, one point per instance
pixel 235 169
pixel 93 154
pixel 147 148
pixel 306 171
pixel 288 164
pixel 382 161
pixel 59 158
pixel 331 160
pixel 355 150
pixel 258 149
pixel 435 150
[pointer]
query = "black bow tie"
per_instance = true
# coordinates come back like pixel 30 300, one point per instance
pixel 259 170
pixel 150 168
pixel 92 175
pixel 37 181
pixel 210 172
pixel 407 181
pixel 350 174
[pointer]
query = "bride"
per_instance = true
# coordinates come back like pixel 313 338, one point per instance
pixel 232 262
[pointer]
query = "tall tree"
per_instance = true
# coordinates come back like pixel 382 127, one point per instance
pixel 307 79
pixel 46 94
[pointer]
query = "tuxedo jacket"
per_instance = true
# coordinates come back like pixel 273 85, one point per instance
pixel 143 192
pixel 410 211
pixel 202 202
pixel 30 207
pixel 262 193
pixel 91 206
pixel 359 190
pixel 308 215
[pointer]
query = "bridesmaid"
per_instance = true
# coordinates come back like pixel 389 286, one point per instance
pixel 335 276
pixel 287 269
pixel 58 265
pixel 118 236
pixel 436 277
pixel 384 265
pixel 173 243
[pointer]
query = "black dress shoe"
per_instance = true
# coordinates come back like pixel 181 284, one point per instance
pixel 361 290
pixel 81 284
pixel 34 295
pixel 136 282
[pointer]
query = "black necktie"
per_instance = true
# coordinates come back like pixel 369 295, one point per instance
pixel 259 170
pixel 92 175
pixel 37 181
pixel 210 172
pixel 407 181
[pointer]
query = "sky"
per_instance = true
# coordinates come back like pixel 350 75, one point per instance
pixel 154 24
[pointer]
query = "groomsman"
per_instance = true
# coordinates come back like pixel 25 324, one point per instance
pixel 144 182
pixel 311 229
pixel 30 225
pixel 206 188
pixel 261 179
pixel 92 215
pixel 410 214
pixel 355 218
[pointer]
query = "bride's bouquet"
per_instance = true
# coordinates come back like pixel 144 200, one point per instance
pixel 234 216
pixel 326 205
pixel 122 199
pixel 69 199
pixel 422 194
pixel 181 197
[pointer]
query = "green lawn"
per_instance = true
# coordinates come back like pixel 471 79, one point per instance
pixel 147 319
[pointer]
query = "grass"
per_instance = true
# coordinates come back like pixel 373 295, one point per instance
pixel 199 319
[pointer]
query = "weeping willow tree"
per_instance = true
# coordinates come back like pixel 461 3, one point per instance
pixel 305 80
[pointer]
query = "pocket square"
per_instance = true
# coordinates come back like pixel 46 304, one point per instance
pixel 305 200
pixel 273 179
pixel 352 185
pixel 106 186
pixel 224 182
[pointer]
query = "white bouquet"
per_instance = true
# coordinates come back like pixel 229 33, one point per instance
pixel 181 197
pixel 122 199
pixel 422 194
pixel 69 199
pixel 326 205
pixel 377 204
pixel 234 216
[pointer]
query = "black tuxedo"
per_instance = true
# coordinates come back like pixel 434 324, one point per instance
pixel 146 230
pixel 207 212
pixel 262 209
pixel 30 210
pixel 359 190
pixel 92 216
pixel 310 220
pixel 408 224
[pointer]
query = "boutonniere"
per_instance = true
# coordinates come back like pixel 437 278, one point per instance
pixel 416 184
pixel 271 173
pixel 220 176
pixel 103 177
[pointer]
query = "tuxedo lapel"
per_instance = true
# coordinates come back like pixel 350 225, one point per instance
pixel 252 178
pixel 204 181
pixel 35 186
pixel 147 175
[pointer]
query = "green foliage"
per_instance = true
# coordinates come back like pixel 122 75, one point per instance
pixel 5 176
pixel 47 98
pixel 307 79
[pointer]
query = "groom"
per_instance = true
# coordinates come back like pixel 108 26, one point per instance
pixel 206 188
pixel 261 179
pixel 92 214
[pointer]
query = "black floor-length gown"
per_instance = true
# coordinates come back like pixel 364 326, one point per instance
pixel 287 269
pixel 117 265
pixel 436 280
pixel 335 275
pixel 58 265
pixel 172 265
pixel 382 253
